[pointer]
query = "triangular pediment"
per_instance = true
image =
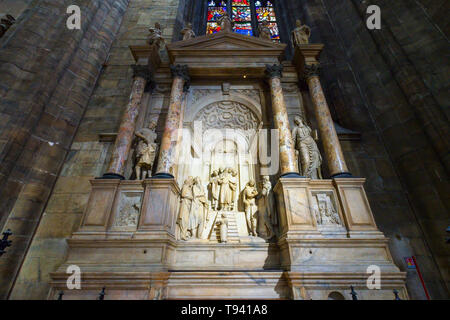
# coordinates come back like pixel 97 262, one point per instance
pixel 225 41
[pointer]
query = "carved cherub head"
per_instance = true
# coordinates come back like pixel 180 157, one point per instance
pixel 251 183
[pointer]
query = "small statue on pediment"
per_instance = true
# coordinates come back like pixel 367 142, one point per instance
pixel 225 23
pixel 301 34
pixel 187 32
pixel 264 30
pixel 155 37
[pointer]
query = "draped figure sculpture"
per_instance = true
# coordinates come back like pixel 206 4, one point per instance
pixel 301 34
pixel 146 151
pixel 225 22
pixel 228 185
pixel 214 190
pixel 264 30
pixel 222 223
pixel 155 37
pixel 183 220
pixel 249 199
pixel 269 216
pixel 187 32
pixel 198 214
pixel 306 150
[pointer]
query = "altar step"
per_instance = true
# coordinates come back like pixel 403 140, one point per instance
pixel 233 233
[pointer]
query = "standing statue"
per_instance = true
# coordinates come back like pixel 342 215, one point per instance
pixel 198 213
pixel 222 223
pixel 187 32
pixel 249 196
pixel 269 216
pixel 214 189
pixel 183 220
pixel 225 23
pixel 264 30
pixel 306 149
pixel 301 34
pixel 155 38
pixel 226 190
pixel 146 150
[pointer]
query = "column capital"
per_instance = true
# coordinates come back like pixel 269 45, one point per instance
pixel 180 70
pixel 311 70
pixel 141 71
pixel 274 71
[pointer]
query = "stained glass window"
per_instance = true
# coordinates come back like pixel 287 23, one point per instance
pixel 216 9
pixel 246 15
pixel 266 12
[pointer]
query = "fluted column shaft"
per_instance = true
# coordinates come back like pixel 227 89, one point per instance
pixel 329 137
pixel 288 160
pixel 125 135
pixel 168 151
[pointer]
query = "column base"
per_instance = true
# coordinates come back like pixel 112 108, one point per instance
pixel 111 176
pixel 342 175
pixel 163 175
pixel 291 175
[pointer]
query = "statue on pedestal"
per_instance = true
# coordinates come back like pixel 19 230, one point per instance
pixel 306 149
pixel 187 32
pixel 146 150
pixel 222 222
pixel 264 30
pixel 249 198
pixel 185 209
pixel 301 34
pixel 155 38
pixel 225 23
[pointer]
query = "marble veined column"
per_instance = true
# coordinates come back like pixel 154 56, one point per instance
pixel 329 137
pixel 288 160
pixel 168 155
pixel 125 135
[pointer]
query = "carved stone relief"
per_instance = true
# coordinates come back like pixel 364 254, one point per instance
pixel 129 209
pixel 228 115
pixel 324 209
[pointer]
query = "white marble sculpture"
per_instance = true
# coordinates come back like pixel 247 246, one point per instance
pixel 249 199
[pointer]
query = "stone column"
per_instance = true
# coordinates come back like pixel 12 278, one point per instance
pixel 329 137
pixel 127 127
pixel 168 151
pixel 288 160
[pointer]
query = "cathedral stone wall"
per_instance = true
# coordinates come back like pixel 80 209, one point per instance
pixel 53 74
pixel 87 156
pixel 381 83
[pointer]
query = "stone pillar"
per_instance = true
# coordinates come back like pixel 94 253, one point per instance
pixel 168 155
pixel 329 137
pixel 127 127
pixel 288 160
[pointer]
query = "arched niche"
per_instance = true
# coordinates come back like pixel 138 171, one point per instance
pixel 212 122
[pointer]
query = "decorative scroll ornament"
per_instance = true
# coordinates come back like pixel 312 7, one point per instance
pixel 274 71
pixel 228 115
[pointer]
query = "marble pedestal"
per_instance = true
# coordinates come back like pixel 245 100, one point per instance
pixel 309 260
